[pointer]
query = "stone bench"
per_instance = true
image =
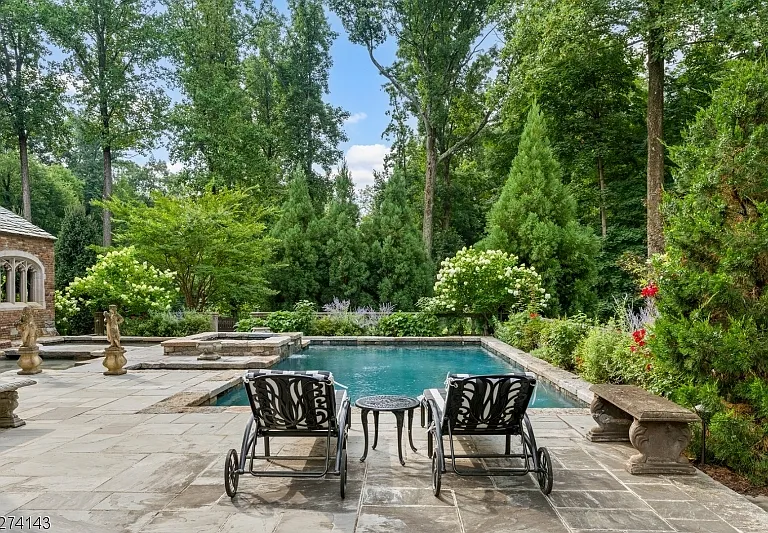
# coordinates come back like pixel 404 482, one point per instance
pixel 656 427
pixel 9 401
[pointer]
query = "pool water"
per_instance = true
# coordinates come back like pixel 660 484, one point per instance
pixel 407 371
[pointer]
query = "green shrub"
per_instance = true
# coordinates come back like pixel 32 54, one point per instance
pixel 337 326
pixel 409 325
pixel 738 441
pixel 521 330
pixel 601 356
pixel 247 324
pixel 167 325
pixel 559 339
pixel 300 319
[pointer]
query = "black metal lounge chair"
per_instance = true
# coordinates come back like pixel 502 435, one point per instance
pixel 291 404
pixel 484 405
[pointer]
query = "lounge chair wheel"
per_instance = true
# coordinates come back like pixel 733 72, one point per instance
pixel 231 477
pixel 545 471
pixel 436 474
pixel 343 474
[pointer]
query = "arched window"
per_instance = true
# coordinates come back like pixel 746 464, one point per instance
pixel 22 279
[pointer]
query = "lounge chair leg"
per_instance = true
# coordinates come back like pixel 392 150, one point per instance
pixel 508 447
pixel 266 446
pixel 375 429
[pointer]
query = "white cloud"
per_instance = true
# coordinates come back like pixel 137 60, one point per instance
pixel 355 118
pixel 175 167
pixel 363 159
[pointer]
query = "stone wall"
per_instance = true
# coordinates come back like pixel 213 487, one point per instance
pixel 43 250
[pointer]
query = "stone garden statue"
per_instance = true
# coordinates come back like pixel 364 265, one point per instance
pixel 114 354
pixel 112 321
pixel 29 353
pixel 28 329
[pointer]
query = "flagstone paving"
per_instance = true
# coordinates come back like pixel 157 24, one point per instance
pixel 98 455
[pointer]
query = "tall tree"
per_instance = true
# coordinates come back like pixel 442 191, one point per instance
pixel 440 46
pixel 400 272
pixel 214 242
pixel 261 80
pixel 666 28
pixel 114 47
pixel 312 128
pixel 297 253
pixel 584 75
pixel 215 134
pixel 30 89
pixel 342 271
pixel 53 189
pixel 73 247
pixel 535 219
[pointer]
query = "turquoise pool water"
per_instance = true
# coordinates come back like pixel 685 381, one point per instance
pixel 406 370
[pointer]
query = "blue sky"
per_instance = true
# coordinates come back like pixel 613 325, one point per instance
pixel 356 86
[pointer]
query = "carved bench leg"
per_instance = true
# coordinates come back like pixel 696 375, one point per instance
pixel 661 446
pixel 613 423
pixel 9 401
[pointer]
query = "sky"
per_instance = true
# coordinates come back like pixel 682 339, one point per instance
pixel 356 86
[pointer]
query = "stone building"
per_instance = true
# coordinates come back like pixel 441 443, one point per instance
pixel 26 274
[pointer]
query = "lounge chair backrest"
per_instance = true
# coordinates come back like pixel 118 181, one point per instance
pixel 292 400
pixel 488 402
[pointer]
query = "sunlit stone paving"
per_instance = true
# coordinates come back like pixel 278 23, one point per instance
pixel 112 454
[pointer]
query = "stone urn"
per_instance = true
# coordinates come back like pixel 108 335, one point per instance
pixel 114 360
pixel 29 360
pixel 209 350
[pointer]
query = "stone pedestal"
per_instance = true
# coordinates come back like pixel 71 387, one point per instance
pixel 661 446
pixel 9 401
pixel 29 360
pixel 613 423
pixel 209 350
pixel 114 360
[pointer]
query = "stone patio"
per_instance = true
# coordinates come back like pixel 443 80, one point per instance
pixel 95 456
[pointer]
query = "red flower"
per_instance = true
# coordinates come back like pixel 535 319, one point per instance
pixel 638 336
pixel 650 291
pixel 633 348
pixel 534 315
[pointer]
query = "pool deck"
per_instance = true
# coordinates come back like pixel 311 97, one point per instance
pixel 98 455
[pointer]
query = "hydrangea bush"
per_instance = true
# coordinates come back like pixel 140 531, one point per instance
pixel 118 278
pixel 486 283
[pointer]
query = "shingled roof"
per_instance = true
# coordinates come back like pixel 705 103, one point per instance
pixel 10 222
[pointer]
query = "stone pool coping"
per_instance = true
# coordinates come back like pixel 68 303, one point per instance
pixel 200 396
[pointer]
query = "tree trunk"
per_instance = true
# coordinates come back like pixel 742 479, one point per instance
pixel 601 178
pixel 429 190
pixel 655 120
pixel 26 201
pixel 106 195
pixel 447 203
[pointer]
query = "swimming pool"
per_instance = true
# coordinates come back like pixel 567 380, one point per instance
pixel 401 370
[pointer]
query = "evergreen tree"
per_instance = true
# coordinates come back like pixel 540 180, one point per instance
pixel 712 281
pixel 535 219
pixel 400 272
pixel 342 271
pixel 297 252
pixel 72 252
